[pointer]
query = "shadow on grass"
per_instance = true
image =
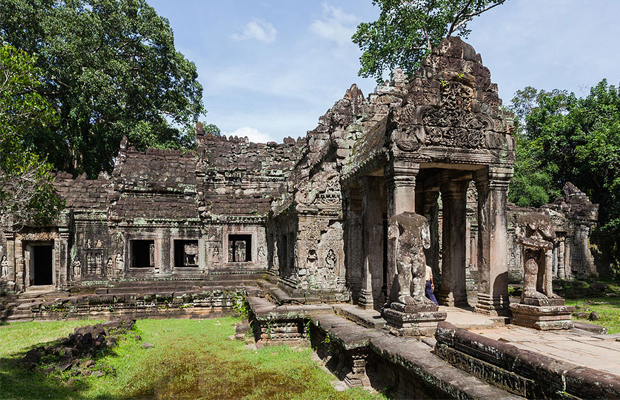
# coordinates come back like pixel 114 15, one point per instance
pixel 16 381
pixel 19 383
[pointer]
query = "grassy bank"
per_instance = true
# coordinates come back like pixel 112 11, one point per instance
pixel 189 359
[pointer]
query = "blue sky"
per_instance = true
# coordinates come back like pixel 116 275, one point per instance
pixel 271 68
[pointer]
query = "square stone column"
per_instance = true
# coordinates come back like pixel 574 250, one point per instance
pixel 492 185
pixel 371 188
pixel 354 241
pixel 400 177
pixel 430 210
pixel 453 286
pixel 63 266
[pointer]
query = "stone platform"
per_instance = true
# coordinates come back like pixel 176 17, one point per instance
pixel 595 351
pixel 536 364
pixel 544 318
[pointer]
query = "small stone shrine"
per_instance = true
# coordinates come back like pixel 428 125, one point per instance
pixel 539 308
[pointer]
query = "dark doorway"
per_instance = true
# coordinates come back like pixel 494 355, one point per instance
pixel 43 265
pixel 142 253
pixel 185 253
pixel 240 248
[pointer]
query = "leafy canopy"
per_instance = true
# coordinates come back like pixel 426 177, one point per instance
pixel 570 139
pixel 26 189
pixel 109 68
pixel 407 30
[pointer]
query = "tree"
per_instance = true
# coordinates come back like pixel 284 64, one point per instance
pixel 109 67
pixel 26 189
pixel 533 183
pixel 574 140
pixel 407 30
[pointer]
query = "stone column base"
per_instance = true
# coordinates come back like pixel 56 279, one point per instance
pixel 365 300
pixel 544 318
pixel 406 320
pixel 494 306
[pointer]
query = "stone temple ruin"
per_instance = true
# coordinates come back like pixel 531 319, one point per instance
pixel 415 174
pixel 313 213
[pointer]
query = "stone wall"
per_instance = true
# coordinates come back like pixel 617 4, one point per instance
pixel 162 214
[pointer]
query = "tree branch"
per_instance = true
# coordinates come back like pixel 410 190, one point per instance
pixel 457 18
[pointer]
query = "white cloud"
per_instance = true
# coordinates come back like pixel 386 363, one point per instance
pixel 257 29
pixel 252 134
pixel 336 25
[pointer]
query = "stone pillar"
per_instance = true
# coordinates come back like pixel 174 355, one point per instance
pixel 63 250
pixel 431 212
pixel 492 184
pixel 561 260
pixel 354 242
pixel 10 257
pixel 400 179
pixel 453 288
pixel 20 267
pixel 373 242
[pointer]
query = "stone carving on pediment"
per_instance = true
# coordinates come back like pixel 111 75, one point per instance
pixel 332 195
pixel 411 133
pixel 39 236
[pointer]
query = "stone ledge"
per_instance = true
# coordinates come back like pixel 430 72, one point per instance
pixel 366 318
pixel 538 375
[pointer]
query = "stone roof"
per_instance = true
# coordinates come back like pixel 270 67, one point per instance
pixel 238 177
pixel 83 194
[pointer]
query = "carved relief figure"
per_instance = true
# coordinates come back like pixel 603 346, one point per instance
pixel 411 235
pixel 5 268
pixel 120 263
pixel 536 234
pixel 261 254
pixel 77 270
pixel 216 255
pixel 330 260
pixel 109 267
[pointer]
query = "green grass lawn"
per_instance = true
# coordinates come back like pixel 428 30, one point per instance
pixel 190 359
pixel 608 309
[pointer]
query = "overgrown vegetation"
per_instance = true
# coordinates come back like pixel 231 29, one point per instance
pixel 563 138
pixel 109 68
pixel 188 359
pixel 406 31
pixel 26 190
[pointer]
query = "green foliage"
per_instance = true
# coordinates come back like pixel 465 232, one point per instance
pixel 241 306
pixel 110 69
pixel 570 139
pixel 26 189
pixel 406 31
